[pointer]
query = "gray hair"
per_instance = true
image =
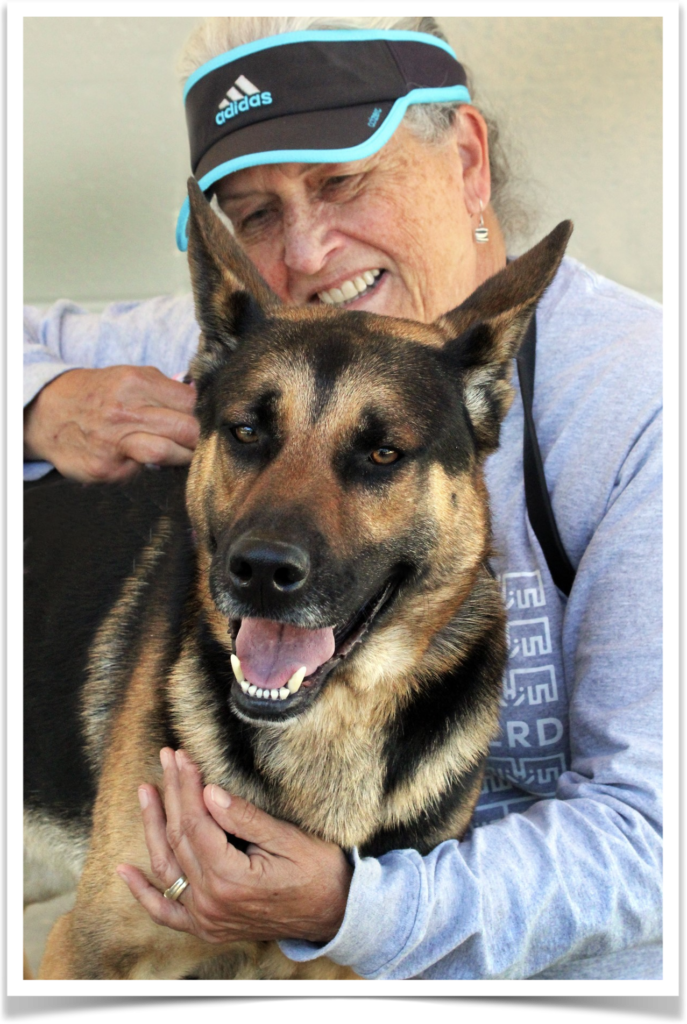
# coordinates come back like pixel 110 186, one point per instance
pixel 429 122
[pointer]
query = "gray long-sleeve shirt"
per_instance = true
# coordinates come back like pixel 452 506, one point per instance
pixel 561 874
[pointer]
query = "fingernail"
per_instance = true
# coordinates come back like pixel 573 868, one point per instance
pixel 220 797
pixel 165 760
pixel 179 755
pixel 143 798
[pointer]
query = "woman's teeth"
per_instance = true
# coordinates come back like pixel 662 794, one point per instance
pixel 281 693
pixel 349 289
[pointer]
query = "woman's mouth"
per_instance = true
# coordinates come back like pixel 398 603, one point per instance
pixel 352 289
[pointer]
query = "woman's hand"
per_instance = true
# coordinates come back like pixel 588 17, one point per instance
pixel 288 885
pixel 102 425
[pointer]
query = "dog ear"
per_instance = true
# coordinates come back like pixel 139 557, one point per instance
pixel 230 296
pixel 485 332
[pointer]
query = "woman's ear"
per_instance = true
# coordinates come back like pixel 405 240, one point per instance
pixel 471 139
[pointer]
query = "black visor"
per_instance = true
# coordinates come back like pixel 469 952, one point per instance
pixel 311 97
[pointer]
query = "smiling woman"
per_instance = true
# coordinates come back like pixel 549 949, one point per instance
pixel 312 233
pixel 581 143
pixel 440 798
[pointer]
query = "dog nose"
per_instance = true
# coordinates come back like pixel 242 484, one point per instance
pixel 257 565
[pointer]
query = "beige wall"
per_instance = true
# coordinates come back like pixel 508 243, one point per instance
pixel 583 99
pixel 106 157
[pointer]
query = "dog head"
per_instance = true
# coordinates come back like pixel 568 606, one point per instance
pixel 337 492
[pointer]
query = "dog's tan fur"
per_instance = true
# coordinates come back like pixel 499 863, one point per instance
pixel 325 772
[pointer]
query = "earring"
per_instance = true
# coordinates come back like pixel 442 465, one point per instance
pixel 481 233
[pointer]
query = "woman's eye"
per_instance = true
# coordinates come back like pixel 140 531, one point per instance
pixel 341 184
pixel 255 221
pixel 245 434
pixel 385 456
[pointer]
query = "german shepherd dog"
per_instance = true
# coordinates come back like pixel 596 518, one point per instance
pixel 334 539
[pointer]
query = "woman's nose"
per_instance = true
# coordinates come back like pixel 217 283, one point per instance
pixel 309 240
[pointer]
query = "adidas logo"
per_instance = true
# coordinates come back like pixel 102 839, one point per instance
pixel 242 95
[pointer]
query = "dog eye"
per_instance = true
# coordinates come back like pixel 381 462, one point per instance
pixel 245 434
pixel 385 456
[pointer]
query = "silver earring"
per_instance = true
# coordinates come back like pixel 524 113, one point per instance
pixel 481 233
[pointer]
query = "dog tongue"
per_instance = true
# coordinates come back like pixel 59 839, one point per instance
pixel 270 652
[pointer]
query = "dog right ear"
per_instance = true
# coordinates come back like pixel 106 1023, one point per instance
pixel 485 332
pixel 230 296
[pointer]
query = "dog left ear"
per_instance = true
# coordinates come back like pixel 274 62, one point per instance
pixel 230 296
pixel 485 332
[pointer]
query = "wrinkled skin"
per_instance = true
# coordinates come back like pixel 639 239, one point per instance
pixel 286 884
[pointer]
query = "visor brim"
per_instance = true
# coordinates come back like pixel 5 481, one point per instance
pixel 337 125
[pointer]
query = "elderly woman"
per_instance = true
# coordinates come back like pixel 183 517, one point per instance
pixel 384 204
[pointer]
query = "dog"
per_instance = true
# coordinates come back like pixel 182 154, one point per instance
pixel 309 612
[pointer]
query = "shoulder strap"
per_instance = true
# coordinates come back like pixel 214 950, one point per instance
pixel 536 494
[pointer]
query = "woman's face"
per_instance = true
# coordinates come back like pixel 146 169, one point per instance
pixel 392 234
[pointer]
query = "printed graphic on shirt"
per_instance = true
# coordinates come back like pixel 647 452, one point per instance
pixel 535 685
pixel 493 810
pixel 530 771
pixel 522 590
pixel 529 755
pixel 529 636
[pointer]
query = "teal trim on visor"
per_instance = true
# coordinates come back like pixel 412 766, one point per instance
pixel 452 93
pixel 326 36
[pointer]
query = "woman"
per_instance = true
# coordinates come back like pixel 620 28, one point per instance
pixel 563 879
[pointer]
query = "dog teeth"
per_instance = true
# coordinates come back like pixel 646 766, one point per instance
pixel 265 693
pixel 238 672
pixel 294 683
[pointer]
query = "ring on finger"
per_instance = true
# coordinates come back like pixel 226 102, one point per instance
pixel 175 890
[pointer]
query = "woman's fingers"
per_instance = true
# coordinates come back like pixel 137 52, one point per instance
pixel 99 425
pixel 288 885
pixel 245 820
pixel 198 842
pixel 170 913
pixel 164 864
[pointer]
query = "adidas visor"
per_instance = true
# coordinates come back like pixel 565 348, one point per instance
pixel 310 97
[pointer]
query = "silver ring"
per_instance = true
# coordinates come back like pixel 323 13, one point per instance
pixel 174 892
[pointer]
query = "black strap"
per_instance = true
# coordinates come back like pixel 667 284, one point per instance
pixel 536 494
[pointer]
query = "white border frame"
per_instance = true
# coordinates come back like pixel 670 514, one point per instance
pixel 16 11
